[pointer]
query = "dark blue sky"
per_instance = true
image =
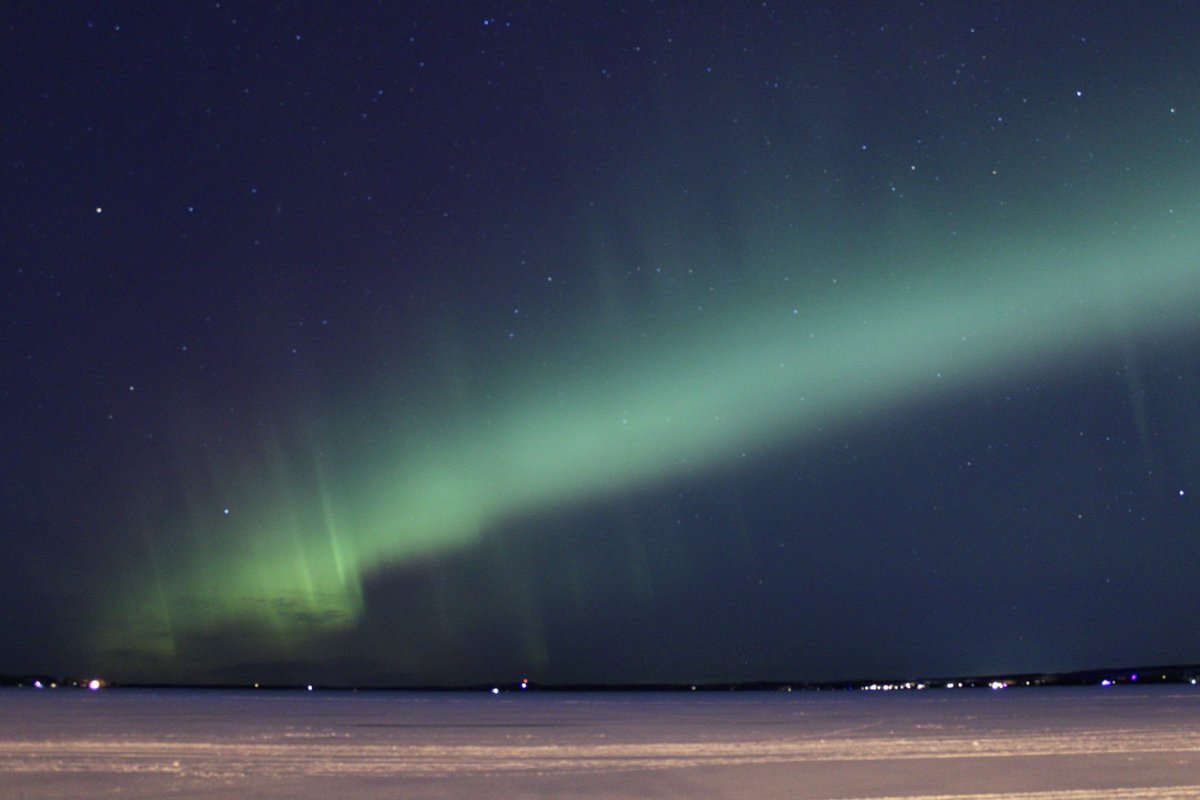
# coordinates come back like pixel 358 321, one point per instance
pixel 448 342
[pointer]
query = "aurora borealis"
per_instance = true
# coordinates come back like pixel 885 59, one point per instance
pixel 434 346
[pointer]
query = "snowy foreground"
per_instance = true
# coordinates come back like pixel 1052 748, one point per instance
pixel 1032 744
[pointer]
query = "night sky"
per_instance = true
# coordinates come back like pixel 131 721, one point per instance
pixel 437 342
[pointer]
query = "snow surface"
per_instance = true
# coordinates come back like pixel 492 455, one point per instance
pixel 1032 744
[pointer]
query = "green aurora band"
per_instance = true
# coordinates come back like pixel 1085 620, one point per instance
pixel 764 373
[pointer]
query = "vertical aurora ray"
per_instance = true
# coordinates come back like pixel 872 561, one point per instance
pixel 766 372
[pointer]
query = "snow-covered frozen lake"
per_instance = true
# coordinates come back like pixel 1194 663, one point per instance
pixel 1034 744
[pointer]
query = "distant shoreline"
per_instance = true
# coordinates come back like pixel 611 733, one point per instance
pixel 1174 674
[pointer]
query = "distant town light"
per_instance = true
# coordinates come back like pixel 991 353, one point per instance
pixel 94 684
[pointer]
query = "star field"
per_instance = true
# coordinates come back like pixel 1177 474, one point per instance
pixel 439 344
